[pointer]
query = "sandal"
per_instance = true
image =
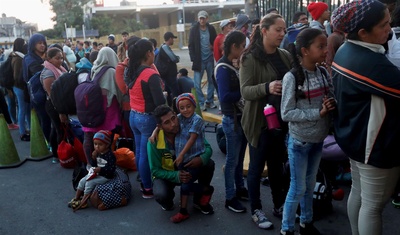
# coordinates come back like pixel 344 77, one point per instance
pixel 74 203
pixel 25 137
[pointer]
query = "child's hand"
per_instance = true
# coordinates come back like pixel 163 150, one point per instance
pixel 97 170
pixel 94 155
pixel 178 160
pixel 328 105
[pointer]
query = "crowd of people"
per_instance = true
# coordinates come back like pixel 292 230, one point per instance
pixel 332 75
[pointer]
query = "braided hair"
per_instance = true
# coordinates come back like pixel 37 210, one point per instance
pixel 304 39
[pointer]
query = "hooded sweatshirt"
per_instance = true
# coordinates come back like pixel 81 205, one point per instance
pixel 32 63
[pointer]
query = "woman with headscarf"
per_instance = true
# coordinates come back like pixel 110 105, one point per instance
pixel 20 87
pixel 52 70
pixel 112 99
pixel 367 126
pixel 33 63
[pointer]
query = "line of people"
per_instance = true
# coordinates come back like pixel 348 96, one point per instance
pixel 357 95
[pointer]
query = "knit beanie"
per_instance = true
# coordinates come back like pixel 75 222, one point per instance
pixel 356 15
pixel 185 96
pixel 316 9
pixel 103 136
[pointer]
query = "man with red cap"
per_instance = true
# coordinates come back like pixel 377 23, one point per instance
pixel 320 13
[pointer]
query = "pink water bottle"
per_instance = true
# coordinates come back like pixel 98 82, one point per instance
pixel 272 117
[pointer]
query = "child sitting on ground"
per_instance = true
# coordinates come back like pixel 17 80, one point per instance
pixel 103 171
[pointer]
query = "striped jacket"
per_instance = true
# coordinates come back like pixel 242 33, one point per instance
pixel 367 89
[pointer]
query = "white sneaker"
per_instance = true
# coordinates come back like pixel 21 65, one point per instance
pixel 261 220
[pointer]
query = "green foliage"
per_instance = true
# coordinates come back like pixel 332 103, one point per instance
pixel 51 33
pixel 103 24
pixel 68 12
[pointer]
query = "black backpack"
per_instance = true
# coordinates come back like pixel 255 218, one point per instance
pixel 7 74
pixel 78 173
pixel 62 93
pixel 36 91
pixel 322 202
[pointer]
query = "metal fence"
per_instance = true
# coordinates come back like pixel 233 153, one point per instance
pixel 287 8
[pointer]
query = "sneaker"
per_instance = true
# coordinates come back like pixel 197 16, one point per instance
pixel 278 212
pixel 12 126
pixel 242 194
pixel 212 106
pixel 396 202
pixel 179 218
pixel 204 107
pixel 206 209
pixel 55 160
pixel 146 193
pixel 235 206
pixel 286 232
pixel 261 220
pixel 308 229
pixel 168 207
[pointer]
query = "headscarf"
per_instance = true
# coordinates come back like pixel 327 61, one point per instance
pixel 107 57
pixel 356 15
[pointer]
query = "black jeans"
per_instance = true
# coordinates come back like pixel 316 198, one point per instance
pixel 57 132
pixel 164 190
pixel 271 149
pixel 4 108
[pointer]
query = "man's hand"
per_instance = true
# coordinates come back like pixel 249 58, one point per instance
pixel 184 176
pixel 194 163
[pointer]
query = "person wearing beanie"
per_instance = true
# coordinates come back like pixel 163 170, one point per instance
pixel 189 144
pixel 111 43
pixel 366 123
pixel 320 13
pixel 100 173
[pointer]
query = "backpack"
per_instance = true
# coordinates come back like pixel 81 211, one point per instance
pixel 36 90
pixel 62 93
pixel 78 173
pixel 7 74
pixel 322 196
pixel 89 101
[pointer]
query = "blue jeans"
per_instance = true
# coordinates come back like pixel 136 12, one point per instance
pixel 24 109
pixel 236 144
pixel 304 159
pixel 207 66
pixel 12 107
pixel 142 126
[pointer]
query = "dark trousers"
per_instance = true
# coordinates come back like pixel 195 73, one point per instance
pixel 4 108
pixel 44 119
pixel 271 149
pixel 164 190
pixel 57 128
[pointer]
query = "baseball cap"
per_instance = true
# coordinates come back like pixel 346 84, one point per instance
pixel 225 23
pixel 242 20
pixel 169 35
pixel 202 14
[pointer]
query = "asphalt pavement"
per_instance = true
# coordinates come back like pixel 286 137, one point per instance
pixel 34 200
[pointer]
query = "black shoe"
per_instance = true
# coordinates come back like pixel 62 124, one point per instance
pixel 308 229
pixel 235 206
pixel 278 212
pixel 25 137
pixel 242 194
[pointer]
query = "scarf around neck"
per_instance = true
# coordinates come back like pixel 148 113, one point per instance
pixel 56 71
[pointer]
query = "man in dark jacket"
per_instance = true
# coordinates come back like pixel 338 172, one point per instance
pixel 201 41
pixel 166 64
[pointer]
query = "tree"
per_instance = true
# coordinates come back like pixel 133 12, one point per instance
pixel 50 33
pixel 102 23
pixel 68 12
